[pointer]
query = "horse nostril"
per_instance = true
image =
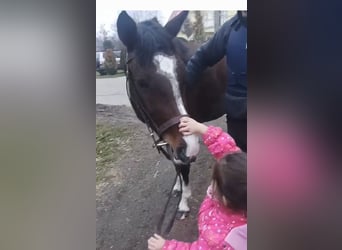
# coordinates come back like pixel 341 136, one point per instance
pixel 181 154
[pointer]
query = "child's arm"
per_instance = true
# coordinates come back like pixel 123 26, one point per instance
pixel 156 242
pixel 180 245
pixel 209 231
pixel 219 143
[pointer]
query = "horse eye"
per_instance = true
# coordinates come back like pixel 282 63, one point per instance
pixel 143 84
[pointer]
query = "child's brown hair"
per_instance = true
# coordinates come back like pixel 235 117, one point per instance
pixel 230 180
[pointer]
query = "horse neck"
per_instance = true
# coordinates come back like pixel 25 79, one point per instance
pixel 184 49
pixel 211 86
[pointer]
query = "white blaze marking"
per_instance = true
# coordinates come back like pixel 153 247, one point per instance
pixel 193 145
pixel 166 66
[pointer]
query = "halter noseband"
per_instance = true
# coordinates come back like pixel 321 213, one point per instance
pixel 139 108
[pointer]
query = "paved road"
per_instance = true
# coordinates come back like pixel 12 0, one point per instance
pixel 112 91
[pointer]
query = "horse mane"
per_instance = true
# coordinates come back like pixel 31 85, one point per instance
pixel 184 48
pixel 152 38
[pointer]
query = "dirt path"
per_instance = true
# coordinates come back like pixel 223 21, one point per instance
pixel 133 195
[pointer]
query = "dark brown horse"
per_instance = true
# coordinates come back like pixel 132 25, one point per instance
pixel 157 85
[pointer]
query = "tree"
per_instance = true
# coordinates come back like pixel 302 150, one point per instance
pixel 102 33
pixel 199 34
pixel 101 36
pixel 110 62
pixel 187 28
pixel 108 44
pixel 99 44
pixel 217 19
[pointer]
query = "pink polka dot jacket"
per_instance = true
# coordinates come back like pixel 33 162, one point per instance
pixel 219 227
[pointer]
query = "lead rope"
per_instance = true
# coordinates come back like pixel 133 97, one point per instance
pixel 158 144
pixel 162 217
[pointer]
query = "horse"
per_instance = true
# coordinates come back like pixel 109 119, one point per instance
pixel 156 75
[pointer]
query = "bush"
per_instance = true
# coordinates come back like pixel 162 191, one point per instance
pixel 110 62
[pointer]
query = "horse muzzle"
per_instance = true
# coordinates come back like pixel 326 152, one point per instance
pixel 181 158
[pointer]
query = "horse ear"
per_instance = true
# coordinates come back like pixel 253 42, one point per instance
pixel 127 30
pixel 174 25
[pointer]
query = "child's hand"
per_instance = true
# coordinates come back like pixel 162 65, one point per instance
pixel 189 126
pixel 155 242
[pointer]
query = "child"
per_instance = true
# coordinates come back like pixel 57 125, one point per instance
pixel 222 218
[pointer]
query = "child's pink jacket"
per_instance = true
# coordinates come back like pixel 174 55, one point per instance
pixel 215 221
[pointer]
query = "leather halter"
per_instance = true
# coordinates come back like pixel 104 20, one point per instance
pixel 139 108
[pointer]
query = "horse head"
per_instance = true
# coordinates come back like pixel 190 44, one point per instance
pixel 156 71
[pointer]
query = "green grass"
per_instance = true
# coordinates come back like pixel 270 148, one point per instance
pixel 111 142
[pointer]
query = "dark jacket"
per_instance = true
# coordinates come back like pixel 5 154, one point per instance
pixel 230 41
